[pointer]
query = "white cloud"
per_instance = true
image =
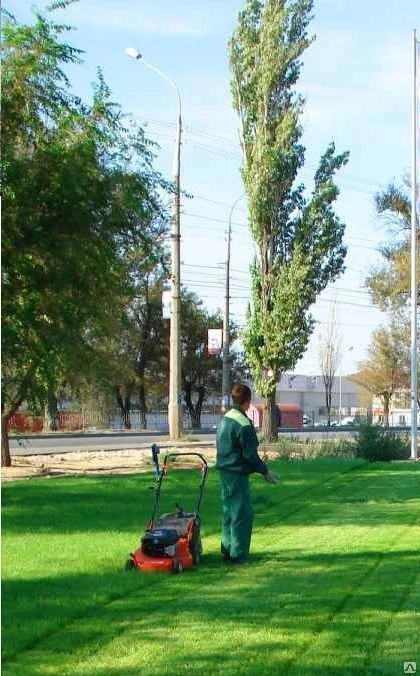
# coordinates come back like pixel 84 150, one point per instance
pixel 375 94
pixel 140 17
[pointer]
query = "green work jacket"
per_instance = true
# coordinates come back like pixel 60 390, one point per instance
pixel 237 444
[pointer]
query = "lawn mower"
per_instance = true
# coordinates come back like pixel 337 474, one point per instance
pixel 171 542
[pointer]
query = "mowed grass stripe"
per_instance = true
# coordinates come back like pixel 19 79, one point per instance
pixel 376 564
pixel 272 619
pixel 353 618
pixel 108 598
pixel 396 645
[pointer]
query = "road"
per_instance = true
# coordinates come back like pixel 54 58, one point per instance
pixel 36 445
pixel 60 443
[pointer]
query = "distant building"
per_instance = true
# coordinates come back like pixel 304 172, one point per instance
pixel 308 392
pixel 288 415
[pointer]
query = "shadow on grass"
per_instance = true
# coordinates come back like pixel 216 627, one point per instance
pixel 374 493
pixel 83 504
pixel 78 618
pixel 68 623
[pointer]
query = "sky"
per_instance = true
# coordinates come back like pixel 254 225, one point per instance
pixel 356 79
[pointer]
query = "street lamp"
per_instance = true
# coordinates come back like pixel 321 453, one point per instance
pixel 340 388
pixel 174 407
pixel 226 345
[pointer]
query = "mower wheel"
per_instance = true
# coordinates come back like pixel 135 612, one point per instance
pixel 196 547
pixel 177 566
pixel 129 565
pixel 196 551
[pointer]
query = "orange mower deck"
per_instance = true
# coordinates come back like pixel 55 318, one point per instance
pixel 171 543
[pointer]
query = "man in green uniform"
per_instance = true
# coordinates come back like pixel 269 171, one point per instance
pixel 237 458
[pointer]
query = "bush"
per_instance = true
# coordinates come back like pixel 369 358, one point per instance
pixel 292 448
pixel 377 443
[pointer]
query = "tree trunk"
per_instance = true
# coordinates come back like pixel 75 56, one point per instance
pixel 188 402
pixel 6 460
pixel 195 417
pixel 124 404
pixel 142 407
pixel 199 407
pixel 6 414
pixel 270 418
pixel 51 413
pixel 196 420
pixel 194 411
pixel 328 383
pixel 328 406
pixel 386 399
pixel 127 413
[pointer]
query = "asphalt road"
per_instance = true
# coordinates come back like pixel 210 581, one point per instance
pixel 65 443
pixel 32 445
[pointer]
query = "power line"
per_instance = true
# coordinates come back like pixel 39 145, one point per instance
pixel 238 156
pixel 225 140
pixel 239 284
pixel 213 267
pixel 214 284
pixel 244 225
pixel 212 201
pixel 213 218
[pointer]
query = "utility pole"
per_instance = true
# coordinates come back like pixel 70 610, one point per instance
pixel 226 346
pixel 175 404
pixel 414 245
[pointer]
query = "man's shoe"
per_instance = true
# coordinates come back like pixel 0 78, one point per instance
pixel 225 553
pixel 238 562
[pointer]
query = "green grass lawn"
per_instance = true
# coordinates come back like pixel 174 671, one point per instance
pixel 333 586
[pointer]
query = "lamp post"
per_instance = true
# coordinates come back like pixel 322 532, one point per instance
pixel 174 407
pixel 226 344
pixel 340 387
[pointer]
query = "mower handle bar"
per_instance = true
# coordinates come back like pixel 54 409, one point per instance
pixel 175 455
pixel 162 473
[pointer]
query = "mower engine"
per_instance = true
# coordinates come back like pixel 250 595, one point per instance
pixel 159 542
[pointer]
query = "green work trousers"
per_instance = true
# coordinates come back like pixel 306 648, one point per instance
pixel 237 514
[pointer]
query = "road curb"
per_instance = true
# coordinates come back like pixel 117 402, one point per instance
pixel 142 448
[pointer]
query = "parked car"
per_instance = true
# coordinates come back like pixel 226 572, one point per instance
pixel 348 420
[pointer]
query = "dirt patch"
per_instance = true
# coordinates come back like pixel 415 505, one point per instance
pixel 92 463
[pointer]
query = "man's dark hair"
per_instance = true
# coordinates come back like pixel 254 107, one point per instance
pixel 240 394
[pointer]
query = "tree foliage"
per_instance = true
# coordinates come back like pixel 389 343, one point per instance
pixel 137 356
pixel 389 282
pixel 79 192
pixel 299 239
pixel 201 372
pixel 385 369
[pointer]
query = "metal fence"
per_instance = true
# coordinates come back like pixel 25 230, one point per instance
pixel 96 420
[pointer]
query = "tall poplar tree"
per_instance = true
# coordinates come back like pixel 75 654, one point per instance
pixel 299 240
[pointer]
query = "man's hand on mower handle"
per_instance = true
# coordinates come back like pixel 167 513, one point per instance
pixel 270 477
